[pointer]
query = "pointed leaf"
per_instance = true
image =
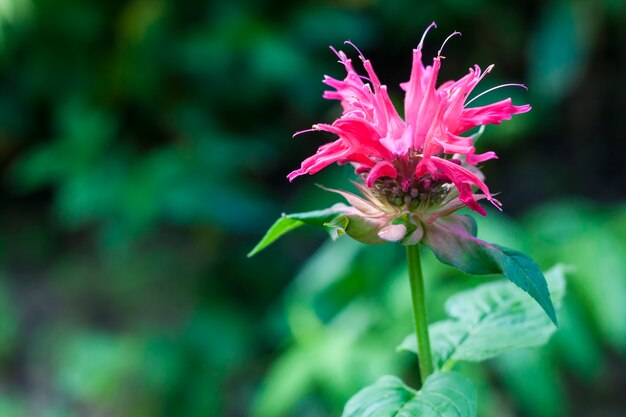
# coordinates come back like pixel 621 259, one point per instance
pixel 443 395
pixel 489 320
pixel 289 222
pixel 453 240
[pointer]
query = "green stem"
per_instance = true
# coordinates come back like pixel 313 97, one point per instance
pixel 419 311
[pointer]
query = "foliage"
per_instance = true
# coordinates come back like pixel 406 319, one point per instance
pixel 443 395
pixel 454 242
pixel 289 222
pixel 356 279
pixel 144 145
pixel 489 320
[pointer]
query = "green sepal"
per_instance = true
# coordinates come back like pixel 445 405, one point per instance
pixel 405 220
pixel 453 241
pixel 289 222
pixel 337 226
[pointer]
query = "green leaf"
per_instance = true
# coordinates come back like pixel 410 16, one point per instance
pixel 489 320
pixel 288 222
pixel 453 240
pixel 443 395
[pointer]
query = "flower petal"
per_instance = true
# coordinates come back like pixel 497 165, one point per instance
pixel 381 169
pixel 325 155
pixel 392 232
pixel 360 136
pixel 463 180
pixel 482 157
pixel 455 144
pixel 493 113
pixel 399 145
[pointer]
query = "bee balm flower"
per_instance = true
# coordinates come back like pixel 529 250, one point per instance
pixel 417 168
pixel 416 171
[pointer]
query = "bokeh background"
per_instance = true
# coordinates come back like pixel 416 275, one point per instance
pixel 144 146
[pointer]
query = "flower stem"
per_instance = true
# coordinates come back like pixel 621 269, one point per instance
pixel 416 280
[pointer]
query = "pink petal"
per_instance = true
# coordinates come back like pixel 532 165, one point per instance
pixel 456 93
pixel 422 104
pixel 381 169
pixel 359 136
pixel 456 144
pixel 493 113
pixel 399 145
pixel 462 179
pixel 478 158
pixel 325 155
pixel 386 115
pixel 466 196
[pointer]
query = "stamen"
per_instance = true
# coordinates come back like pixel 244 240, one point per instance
pixel 432 25
pixel 348 42
pixel 340 54
pixel 313 129
pixel 366 78
pixel 495 88
pixel 444 43
pixel 485 72
pixel 478 134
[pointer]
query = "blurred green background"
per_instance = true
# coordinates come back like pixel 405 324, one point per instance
pixel 144 146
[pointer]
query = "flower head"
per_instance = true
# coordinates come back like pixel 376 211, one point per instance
pixel 420 165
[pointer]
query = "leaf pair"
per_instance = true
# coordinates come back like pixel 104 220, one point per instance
pixel 489 320
pixel 444 394
pixel 486 321
pixel 453 241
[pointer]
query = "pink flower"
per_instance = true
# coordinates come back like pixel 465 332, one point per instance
pixel 420 162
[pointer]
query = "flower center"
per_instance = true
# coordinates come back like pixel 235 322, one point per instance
pixel 412 193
